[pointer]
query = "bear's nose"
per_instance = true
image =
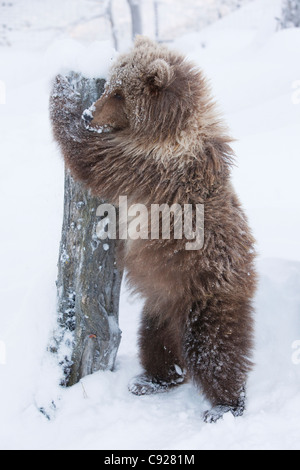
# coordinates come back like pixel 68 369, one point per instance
pixel 87 117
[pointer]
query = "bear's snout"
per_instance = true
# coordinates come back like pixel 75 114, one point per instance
pixel 87 117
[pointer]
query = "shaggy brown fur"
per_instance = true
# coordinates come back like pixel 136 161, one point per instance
pixel 160 141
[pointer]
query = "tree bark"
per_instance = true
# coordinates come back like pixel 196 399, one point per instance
pixel 88 336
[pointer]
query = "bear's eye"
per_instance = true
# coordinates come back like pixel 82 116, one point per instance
pixel 118 96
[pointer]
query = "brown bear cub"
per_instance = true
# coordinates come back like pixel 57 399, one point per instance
pixel 155 136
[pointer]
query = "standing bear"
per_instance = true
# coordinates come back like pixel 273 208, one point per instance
pixel 155 136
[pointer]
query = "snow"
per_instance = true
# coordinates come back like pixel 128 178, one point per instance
pixel 254 70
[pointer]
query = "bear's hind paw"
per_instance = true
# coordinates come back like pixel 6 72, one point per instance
pixel 218 412
pixel 146 385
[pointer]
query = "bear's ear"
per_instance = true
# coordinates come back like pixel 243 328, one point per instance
pixel 159 75
pixel 143 41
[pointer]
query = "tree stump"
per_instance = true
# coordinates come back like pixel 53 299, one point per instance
pixel 89 282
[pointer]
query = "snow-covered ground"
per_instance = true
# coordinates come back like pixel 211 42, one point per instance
pixel 255 74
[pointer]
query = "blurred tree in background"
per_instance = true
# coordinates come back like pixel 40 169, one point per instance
pixel 5 27
pixel 98 20
pixel 290 14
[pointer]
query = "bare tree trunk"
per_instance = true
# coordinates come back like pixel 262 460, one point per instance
pixel 156 19
pixel 89 282
pixel 136 17
pixel 109 13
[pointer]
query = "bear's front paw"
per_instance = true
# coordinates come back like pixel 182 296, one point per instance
pixel 64 90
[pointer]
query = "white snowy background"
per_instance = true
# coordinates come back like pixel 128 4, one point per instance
pixel 255 74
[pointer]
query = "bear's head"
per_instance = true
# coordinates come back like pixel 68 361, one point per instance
pixel 153 94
